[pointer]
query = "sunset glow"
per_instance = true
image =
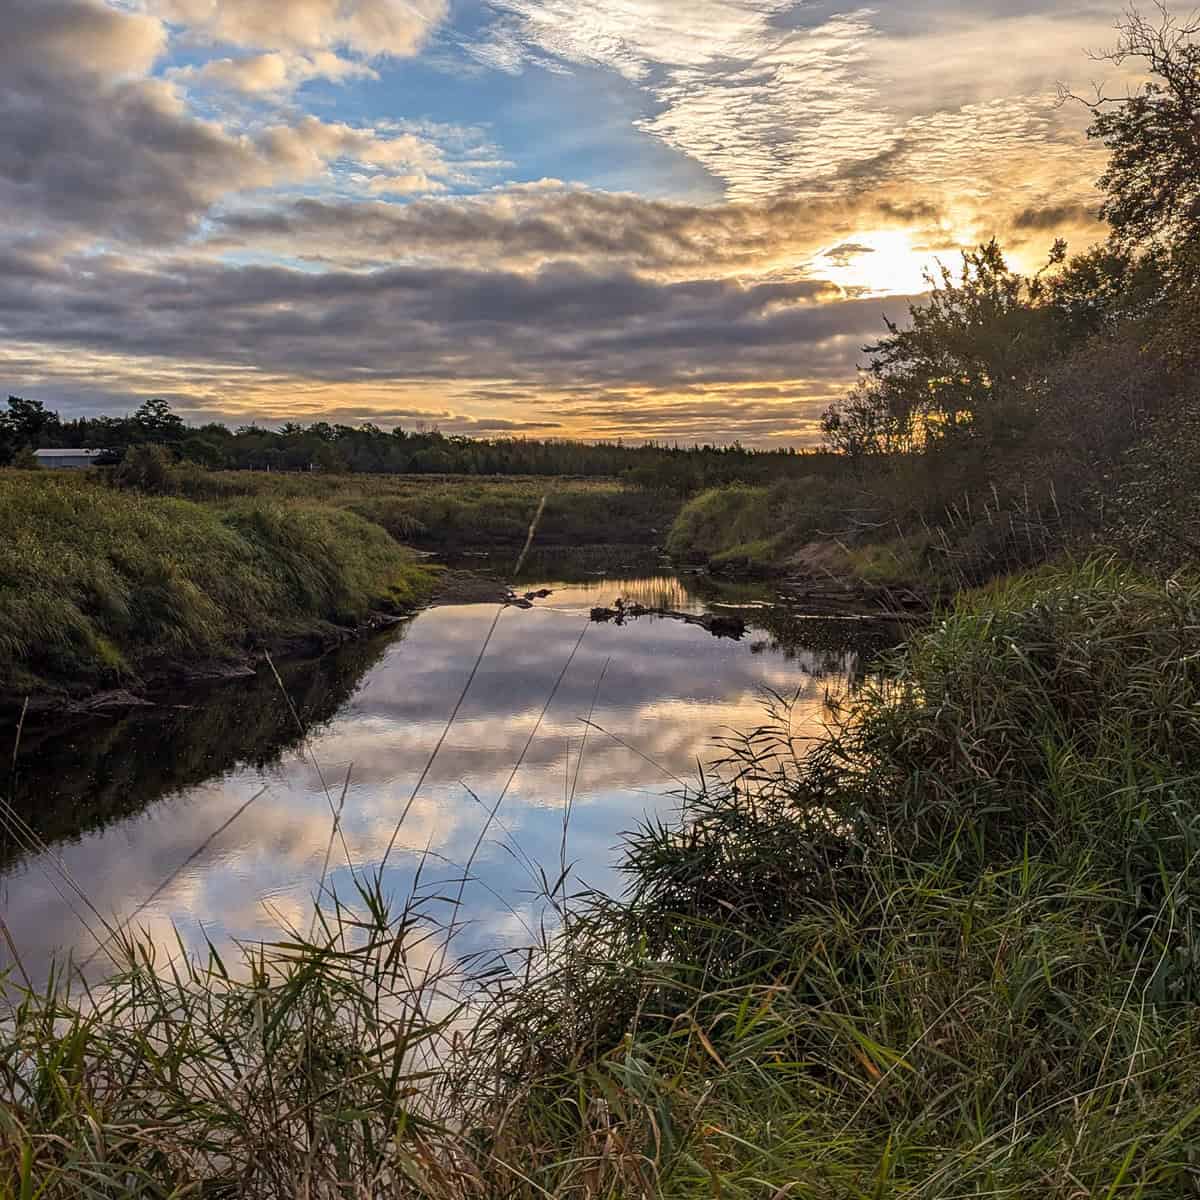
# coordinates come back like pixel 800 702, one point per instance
pixel 591 218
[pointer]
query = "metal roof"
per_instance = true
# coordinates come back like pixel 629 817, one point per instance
pixel 67 453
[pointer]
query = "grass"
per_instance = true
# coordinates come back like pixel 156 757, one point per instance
pixel 861 535
pixel 755 530
pixel 98 586
pixel 443 512
pixel 953 950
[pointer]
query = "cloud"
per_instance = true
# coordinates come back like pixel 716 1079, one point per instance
pixel 179 215
pixel 272 73
pixel 249 337
pixel 420 321
pixel 88 144
pixel 1054 217
pixel 79 37
pixel 769 100
pixel 371 28
pixel 529 228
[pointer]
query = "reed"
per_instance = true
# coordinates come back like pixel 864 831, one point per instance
pixel 950 950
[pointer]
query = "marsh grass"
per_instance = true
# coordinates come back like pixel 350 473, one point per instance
pixel 950 950
pixel 98 583
pixel 441 512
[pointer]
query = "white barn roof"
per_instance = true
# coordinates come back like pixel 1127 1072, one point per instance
pixel 67 453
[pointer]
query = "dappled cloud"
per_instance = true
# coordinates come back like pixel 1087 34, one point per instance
pixel 272 217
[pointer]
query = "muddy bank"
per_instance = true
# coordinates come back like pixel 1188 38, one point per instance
pixel 160 683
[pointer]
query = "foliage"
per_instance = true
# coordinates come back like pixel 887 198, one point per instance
pixel 957 369
pixel 446 513
pixel 295 1074
pixel 145 468
pixel 1152 181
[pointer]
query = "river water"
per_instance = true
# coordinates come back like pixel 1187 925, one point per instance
pixel 212 818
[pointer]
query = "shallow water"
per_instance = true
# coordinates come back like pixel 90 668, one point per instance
pixel 223 797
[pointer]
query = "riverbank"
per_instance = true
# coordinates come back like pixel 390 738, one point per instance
pixel 104 589
pixel 108 593
pixel 949 950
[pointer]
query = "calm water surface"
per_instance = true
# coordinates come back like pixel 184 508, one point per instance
pixel 125 803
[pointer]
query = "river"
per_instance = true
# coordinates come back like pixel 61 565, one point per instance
pixel 211 817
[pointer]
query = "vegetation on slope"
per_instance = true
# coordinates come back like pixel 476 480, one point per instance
pixel 951 950
pixel 99 586
pixel 446 512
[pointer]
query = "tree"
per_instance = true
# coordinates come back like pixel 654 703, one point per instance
pixel 157 423
pixel 1152 183
pixel 874 419
pixel 27 421
pixel 958 370
pixel 203 451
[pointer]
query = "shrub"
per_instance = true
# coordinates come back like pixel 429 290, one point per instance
pixel 145 468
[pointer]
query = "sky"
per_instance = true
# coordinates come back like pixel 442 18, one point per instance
pixel 651 219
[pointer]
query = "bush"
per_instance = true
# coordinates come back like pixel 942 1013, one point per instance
pixel 145 469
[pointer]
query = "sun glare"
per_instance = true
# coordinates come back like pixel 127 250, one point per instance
pixel 882 262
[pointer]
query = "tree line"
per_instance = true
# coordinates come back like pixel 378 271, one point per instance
pixel 27 426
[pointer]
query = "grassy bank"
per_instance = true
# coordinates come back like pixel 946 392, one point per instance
pixel 951 951
pixel 447 512
pixel 824 530
pixel 99 587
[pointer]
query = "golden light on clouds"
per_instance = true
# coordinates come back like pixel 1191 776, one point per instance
pixel 591 219
pixel 882 262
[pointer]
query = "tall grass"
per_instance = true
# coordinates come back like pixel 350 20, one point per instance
pixel 753 530
pixel 96 585
pixel 951 950
pixel 440 512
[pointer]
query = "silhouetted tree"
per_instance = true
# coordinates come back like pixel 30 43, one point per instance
pixel 157 423
pixel 1152 183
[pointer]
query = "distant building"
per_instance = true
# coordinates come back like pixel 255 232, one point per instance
pixel 67 460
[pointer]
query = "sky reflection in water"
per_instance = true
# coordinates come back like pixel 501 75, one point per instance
pixel 663 687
